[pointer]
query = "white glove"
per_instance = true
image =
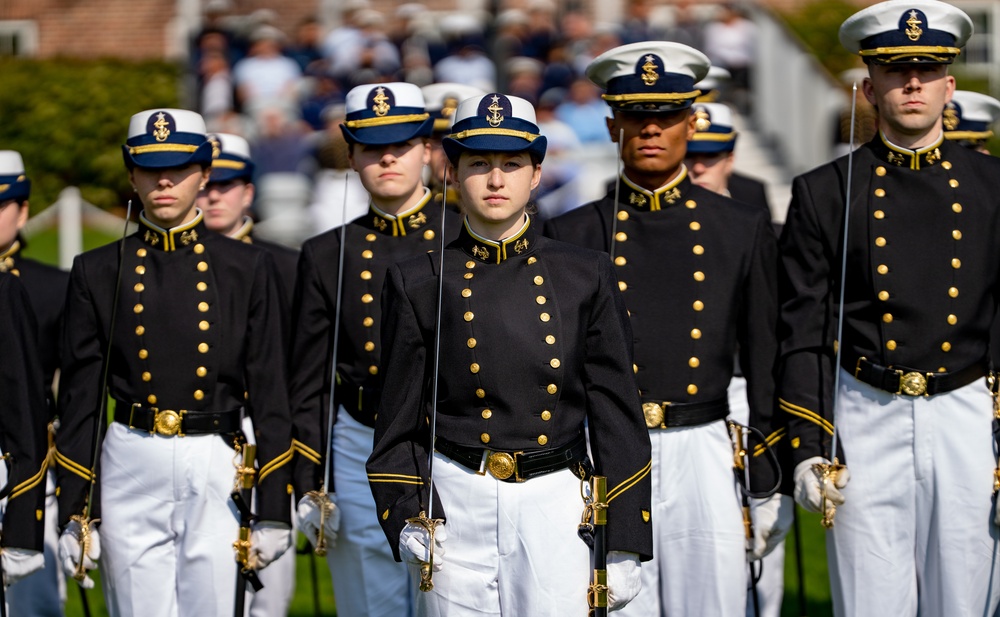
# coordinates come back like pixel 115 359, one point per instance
pixel 413 543
pixel 624 581
pixel 268 541
pixel 70 549
pixel 772 518
pixel 809 488
pixel 308 515
pixel 19 563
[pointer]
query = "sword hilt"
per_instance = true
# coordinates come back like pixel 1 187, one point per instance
pixel 827 473
pixel 85 540
pixel 322 501
pixel 427 567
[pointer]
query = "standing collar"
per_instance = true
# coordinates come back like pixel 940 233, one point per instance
pixel 889 152
pixel 7 257
pixel 244 233
pixel 667 195
pixel 397 225
pixel 168 239
pixel 493 251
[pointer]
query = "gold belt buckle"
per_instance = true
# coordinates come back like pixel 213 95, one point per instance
pixel 167 422
pixel 500 464
pixel 655 414
pixel 912 384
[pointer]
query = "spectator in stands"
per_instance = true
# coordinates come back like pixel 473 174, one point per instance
pixel 543 29
pixel 266 76
pixel 584 110
pixel 217 98
pixel 686 27
pixel 730 42
pixel 524 78
pixel 368 56
pixel 280 144
pixel 306 49
pixel 466 61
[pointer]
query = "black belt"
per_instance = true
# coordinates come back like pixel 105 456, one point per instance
pixel 914 382
pixel 664 414
pixel 360 402
pixel 168 422
pixel 515 466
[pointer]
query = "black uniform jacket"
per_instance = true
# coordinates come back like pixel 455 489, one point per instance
pixel 698 272
pixel 749 191
pixel 535 349
pixel 285 259
pixel 922 272
pixel 23 417
pixel 199 326
pixel 373 243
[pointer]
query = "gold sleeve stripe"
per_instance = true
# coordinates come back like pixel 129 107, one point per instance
pixel 390 481
pixel 629 483
pixel 802 412
pixel 306 451
pixel 29 484
pixel 74 467
pixel 772 439
pixel 275 463
pixel 394 475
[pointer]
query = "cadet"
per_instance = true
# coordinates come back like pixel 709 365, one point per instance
pixel 535 359
pixel 44 593
pixel 698 272
pixel 387 128
pixel 197 337
pixel 916 531
pixel 969 118
pixel 442 100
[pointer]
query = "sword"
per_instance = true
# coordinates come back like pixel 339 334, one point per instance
pixel 241 496
pixel 595 521
pixel 741 466
pixel 828 472
pixel 618 183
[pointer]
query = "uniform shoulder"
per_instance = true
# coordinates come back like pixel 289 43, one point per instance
pixel 39 268
pixel 727 208
pixel 578 214
pixel 567 250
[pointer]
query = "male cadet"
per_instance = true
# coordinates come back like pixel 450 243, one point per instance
pixel 969 117
pixel 387 129
pixel 44 593
pixel 191 336
pixel 225 202
pixel 915 533
pixel 442 100
pixel 699 276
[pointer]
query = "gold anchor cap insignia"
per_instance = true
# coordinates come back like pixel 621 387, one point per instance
pixel 494 117
pixel 702 120
pixel 449 107
pixel 381 106
pixel 161 127
pixel 913 31
pixel 649 75
pixel 216 146
pixel 950 118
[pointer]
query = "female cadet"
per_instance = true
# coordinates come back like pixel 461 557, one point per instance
pixel 536 358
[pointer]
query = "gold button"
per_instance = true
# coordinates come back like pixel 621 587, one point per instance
pixel 540 300
pixel 469 316
pixel 621 236
pixel 480 393
pixel 879 214
pixel 202 266
pixel 699 276
pixel 542 440
pixel 622 215
pixel 953 292
pixel 487 414
pixel 693 362
pixel 203 347
pixel 151 399
pixel 139 287
pixel 147 376
pixel 883 295
pixel 696 333
pixel 956 234
pixel 956 208
pixel 140 330
pixel 203 307
pixel 691 204
pixel 545 317
pixel 201 371
pixel 620 261
pixel 698 305
pixel 692 389
pixel 946 346
pixel 485 438
pixel 367 254
pixel 546 415
pixel 883 269
pixel 550 339
pixel 373 370
pixel 473 368
pixel 370 237
pixel 137 309
pixel 953 183
pixel 470 264
pixel 694 226
pixel 880 171
pixel 466 292
pixel 952 319
pixel 202 286
pixel 942 369
pixel 366 275
pixel 879 192
pixel 468 276
pixel 635 368
pixel 368 322
pixel 141 253
pixel 143 354
pixel 698 249
pixel 887 317
pixel 538 280
pixel 531 260
pixel 554 362
pixel 622 285
pixel 203 325
pixel 880 241
pixel 956 263
pixel 890 345
pixel 369 346
pixel 199 248
pixel 429 234
pixel 471 343
pixel 367 298
pixel 946 164
pixel 140 270
pixel 552 388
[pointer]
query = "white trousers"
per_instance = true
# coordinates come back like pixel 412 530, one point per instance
pixel 43 594
pixel 916 534
pixel 699 562
pixel 511 548
pixel 168 525
pixel 367 580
